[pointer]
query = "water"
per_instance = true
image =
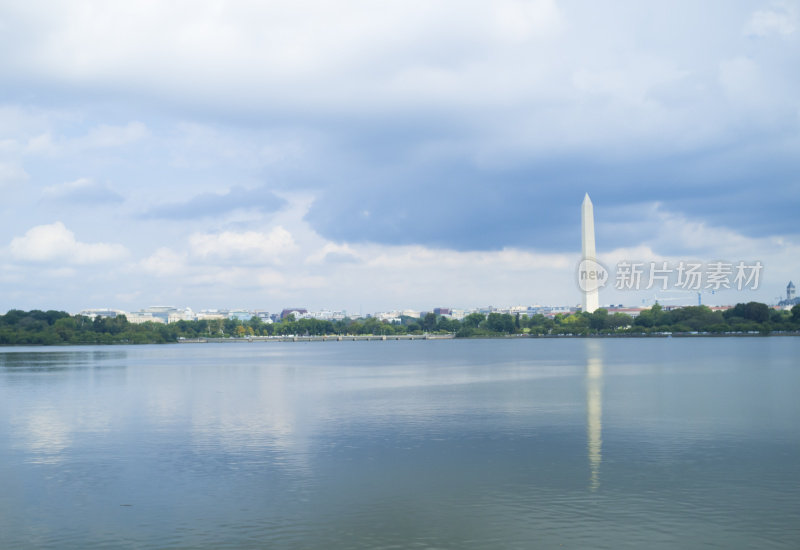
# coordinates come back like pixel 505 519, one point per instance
pixel 655 443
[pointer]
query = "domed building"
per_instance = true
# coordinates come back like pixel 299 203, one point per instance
pixel 791 296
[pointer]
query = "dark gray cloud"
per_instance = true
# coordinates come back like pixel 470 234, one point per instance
pixel 537 205
pixel 203 205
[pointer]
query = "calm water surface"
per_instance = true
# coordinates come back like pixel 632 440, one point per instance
pixel 667 443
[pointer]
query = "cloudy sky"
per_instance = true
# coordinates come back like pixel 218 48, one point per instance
pixel 376 155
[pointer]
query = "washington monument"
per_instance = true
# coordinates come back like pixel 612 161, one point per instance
pixel 587 272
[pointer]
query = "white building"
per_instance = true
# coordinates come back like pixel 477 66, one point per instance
pixel 240 314
pixel 212 315
pixel 138 317
pixel 101 312
pixel 181 315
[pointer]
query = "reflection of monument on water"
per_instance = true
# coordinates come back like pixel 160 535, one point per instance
pixel 594 411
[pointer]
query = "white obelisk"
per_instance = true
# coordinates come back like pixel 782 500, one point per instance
pixel 590 296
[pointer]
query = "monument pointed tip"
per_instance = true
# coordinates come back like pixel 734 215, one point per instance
pixel 586 198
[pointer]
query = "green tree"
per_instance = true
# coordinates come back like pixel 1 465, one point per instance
pixel 65 328
pixel 752 311
pixel 500 322
pixel 598 319
pixel 757 312
pixel 473 320
pixel 443 324
pixel 618 321
pixel 645 319
pixel 429 322
pixel 256 325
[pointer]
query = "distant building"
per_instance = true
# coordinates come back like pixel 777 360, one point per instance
pixel 791 296
pixel 105 313
pixel 720 308
pixel 297 312
pixel 264 316
pixel 137 318
pixel 558 310
pixel 181 315
pixel 323 315
pixel 389 317
pixel 630 311
pixel 441 310
pixel 212 315
pixel 457 314
pixel 161 312
pixel 240 315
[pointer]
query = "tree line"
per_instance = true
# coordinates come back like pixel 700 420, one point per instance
pixel 38 327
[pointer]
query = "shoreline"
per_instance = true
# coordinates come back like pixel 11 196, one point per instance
pixel 414 337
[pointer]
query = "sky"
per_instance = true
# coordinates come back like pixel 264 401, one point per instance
pixel 372 156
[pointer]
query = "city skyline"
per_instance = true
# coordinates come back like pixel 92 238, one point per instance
pixel 370 158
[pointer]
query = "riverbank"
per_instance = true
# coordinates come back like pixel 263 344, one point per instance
pixel 59 328
pixel 372 337
pixel 325 338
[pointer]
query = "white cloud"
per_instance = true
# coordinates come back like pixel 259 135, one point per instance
pixel 11 173
pixel 701 242
pixel 250 247
pixel 334 253
pixel 237 259
pixel 699 237
pixel 17 120
pixel 105 135
pixel 253 50
pixel 29 130
pixel 41 144
pixel 520 20
pixel 780 19
pixel 101 136
pixel 742 81
pixel 551 74
pixel 508 259
pixel 82 190
pixel 56 243
pixel 297 266
pixel 227 268
pixel 241 278
pixel 325 97
pixel 164 262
